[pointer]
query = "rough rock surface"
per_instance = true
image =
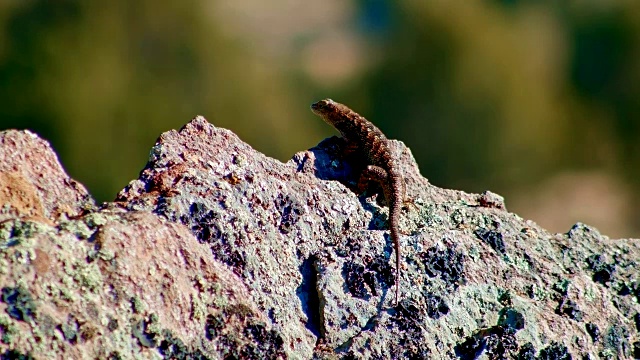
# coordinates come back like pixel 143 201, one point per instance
pixel 218 251
pixel 33 182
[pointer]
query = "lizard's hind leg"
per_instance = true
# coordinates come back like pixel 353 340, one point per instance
pixel 379 177
pixel 372 173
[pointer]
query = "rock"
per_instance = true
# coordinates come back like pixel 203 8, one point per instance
pixel 218 251
pixel 32 181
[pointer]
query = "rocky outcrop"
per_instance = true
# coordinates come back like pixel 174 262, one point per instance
pixel 218 251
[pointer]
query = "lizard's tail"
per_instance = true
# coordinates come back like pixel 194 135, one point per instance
pixel 397 275
pixel 395 236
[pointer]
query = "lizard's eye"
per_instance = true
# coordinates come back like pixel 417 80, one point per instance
pixel 322 104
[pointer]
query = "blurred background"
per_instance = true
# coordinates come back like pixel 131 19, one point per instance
pixel 538 101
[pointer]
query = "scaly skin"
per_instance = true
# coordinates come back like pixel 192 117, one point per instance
pixel 361 134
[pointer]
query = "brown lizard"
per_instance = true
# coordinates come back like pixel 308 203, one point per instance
pixel 366 138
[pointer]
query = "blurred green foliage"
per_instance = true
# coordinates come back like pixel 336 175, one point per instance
pixel 500 95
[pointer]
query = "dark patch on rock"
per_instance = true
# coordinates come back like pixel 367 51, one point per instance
pixel 15 355
pixel 499 342
pixel 8 329
pixel 527 352
pixel 501 346
pixel 364 280
pixel 204 224
pixel 349 356
pixel 351 246
pixel 213 326
pixel 512 318
pixel 624 290
pixel 493 238
pixel 112 325
pixel 173 348
pixel 569 308
pixel 593 331
pixel 601 271
pixel 529 260
pixel 266 344
pixel 436 307
pixel 19 302
pixel 416 351
pixel 470 349
pixel 411 345
pixel 255 342
pixel 555 351
pixel 407 316
pixel 448 265
pixel 354 275
pixel 506 299
pixel 383 270
pixel 562 287
pixel 162 208
pixel 309 298
pixel 115 356
pixel 290 212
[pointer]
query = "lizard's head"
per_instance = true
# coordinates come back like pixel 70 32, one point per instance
pixel 335 114
pixel 324 107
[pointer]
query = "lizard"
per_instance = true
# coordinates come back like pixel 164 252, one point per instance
pixel 364 137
